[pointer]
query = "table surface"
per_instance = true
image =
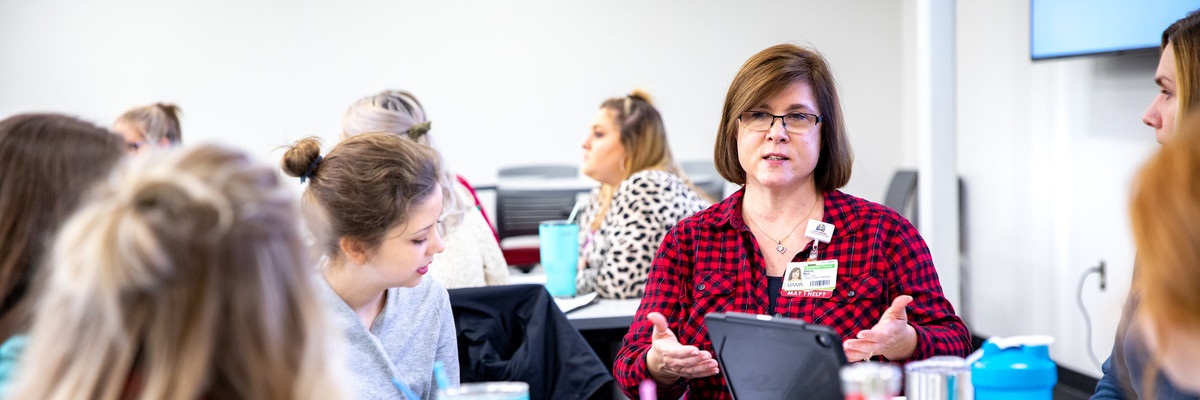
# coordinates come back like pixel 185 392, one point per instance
pixel 605 314
pixel 602 314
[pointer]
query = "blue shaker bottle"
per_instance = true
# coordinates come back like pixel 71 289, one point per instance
pixel 1014 368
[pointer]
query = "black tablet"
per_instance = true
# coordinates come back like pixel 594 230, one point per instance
pixel 765 357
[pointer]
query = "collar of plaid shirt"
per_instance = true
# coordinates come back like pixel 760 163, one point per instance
pixel 837 212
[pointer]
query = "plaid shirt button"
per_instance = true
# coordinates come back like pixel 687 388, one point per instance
pixel 700 287
pixel 850 293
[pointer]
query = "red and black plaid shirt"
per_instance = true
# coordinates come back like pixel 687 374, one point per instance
pixel 710 262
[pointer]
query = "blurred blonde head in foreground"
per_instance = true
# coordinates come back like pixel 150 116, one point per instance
pixel 183 277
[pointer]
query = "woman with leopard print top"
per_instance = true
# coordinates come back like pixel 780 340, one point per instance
pixel 642 194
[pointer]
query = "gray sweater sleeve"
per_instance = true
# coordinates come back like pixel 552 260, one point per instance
pixel 447 348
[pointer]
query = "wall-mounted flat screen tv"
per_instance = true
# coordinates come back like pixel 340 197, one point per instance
pixel 1067 28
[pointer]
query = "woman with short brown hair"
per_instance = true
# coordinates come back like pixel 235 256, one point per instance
pixel 781 136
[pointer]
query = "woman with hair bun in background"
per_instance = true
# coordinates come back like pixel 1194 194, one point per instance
pixel 642 194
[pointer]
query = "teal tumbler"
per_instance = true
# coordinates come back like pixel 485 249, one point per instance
pixel 559 250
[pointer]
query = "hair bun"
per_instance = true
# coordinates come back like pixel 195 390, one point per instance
pixel 302 158
pixel 641 94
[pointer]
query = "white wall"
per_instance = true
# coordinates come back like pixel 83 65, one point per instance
pixel 1047 150
pixel 504 82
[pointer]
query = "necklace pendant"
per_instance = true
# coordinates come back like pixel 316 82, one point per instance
pixel 780 247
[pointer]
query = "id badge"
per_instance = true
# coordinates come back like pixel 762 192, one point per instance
pixel 815 279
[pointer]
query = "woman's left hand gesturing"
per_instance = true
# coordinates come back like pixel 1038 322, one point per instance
pixel 892 337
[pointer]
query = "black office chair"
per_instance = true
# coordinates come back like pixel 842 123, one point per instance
pixel 517 333
pixel 520 211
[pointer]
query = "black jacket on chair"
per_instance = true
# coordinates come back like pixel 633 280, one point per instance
pixel 517 333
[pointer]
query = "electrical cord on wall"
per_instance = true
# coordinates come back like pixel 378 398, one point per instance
pixel 1087 320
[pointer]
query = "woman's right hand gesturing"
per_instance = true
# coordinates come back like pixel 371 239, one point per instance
pixel 668 360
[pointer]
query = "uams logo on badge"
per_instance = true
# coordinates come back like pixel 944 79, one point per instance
pixel 818 230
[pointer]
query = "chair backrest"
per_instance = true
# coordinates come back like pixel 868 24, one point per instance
pixel 902 194
pixel 705 177
pixel 539 171
pixel 519 211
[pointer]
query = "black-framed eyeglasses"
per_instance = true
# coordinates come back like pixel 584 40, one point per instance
pixel 796 122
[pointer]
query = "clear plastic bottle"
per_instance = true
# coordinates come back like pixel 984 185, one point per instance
pixel 938 378
pixel 870 381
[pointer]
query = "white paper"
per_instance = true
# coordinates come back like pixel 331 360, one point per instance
pixel 569 304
